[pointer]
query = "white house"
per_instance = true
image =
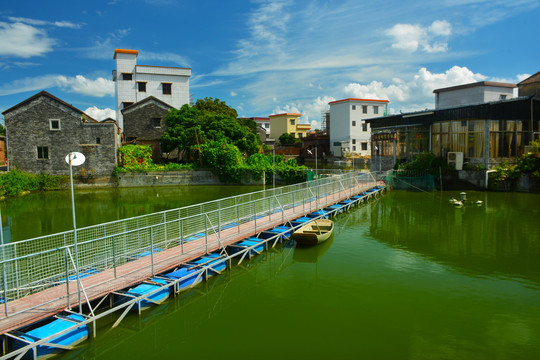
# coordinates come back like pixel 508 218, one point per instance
pixel 474 93
pixel 134 83
pixel 349 133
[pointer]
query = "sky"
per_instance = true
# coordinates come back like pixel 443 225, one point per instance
pixel 265 57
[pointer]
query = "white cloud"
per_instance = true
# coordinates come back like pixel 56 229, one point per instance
pixel 100 114
pixel 62 24
pixel 23 40
pixel 410 38
pixel 441 28
pixel 99 87
pixel 417 91
pixel 311 110
pixel 232 93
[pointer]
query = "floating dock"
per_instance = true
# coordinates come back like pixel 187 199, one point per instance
pixel 117 256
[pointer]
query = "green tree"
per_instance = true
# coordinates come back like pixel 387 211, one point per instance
pixel 215 106
pixel 188 128
pixel 287 139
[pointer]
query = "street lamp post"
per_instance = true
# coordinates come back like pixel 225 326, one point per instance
pixel 75 159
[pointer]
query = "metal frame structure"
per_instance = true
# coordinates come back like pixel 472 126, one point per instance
pixel 167 229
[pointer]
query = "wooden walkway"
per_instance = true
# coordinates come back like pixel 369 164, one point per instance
pixel 51 301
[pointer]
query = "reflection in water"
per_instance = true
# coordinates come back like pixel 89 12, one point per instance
pixel 46 213
pixel 499 237
pixel 312 254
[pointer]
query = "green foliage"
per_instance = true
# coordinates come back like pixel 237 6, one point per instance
pixel 287 139
pixel 138 156
pixel 526 164
pixel 474 167
pixel 225 159
pixel 16 182
pixel 215 106
pixel 209 120
pixel 535 146
pixel 425 162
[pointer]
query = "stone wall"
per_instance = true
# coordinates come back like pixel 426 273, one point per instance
pixel 138 123
pixel 28 128
pixel 186 177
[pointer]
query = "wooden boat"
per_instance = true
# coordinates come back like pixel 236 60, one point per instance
pixel 315 232
pixel 65 341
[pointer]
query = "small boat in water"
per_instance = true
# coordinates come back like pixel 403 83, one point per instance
pixel 65 341
pixel 314 232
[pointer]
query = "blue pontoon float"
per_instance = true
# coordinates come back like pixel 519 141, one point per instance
pixel 65 341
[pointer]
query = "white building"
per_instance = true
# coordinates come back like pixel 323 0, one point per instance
pixel 134 83
pixel 474 93
pixel 349 133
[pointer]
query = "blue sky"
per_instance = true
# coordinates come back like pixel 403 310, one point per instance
pixel 264 57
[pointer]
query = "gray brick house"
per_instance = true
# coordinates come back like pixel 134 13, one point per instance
pixel 144 123
pixel 43 129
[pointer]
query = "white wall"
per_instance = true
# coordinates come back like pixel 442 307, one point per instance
pixel 154 76
pixel 471 95
pixel 342 116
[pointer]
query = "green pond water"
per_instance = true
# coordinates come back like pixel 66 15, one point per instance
pixel 406 276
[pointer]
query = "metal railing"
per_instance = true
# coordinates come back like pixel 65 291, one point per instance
pixel 33 265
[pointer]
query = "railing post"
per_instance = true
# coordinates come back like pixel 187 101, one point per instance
pixel 205 232
pixel 165 230
pixel 4 283
pixel 255 215
pixel 67 277
pixel 114 254
pixel 219 218
pixel 237 212
pixel 152 248
pixel 181 224
pixel 16 269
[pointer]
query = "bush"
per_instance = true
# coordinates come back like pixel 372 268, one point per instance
pixel 16 182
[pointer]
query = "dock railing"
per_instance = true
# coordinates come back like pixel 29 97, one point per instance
pixel 34 265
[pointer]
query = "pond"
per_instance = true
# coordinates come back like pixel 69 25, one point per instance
pixel 406 276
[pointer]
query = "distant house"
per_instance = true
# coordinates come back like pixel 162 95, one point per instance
pixel 43 129
pixel 144 123
pixel 287 123
pixel 473 93
pixel 484 134
pixel 350 133
pixel 530 86
pixel 134 83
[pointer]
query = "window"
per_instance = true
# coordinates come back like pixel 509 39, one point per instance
pixel 364 109
pixel 354 123
pixel 502 97
pixel 354 141
pixel 42 152
pixel 156 122
pixel 354 148
pixel 141 86
pixel 267 126
pixel 54 124
pixel 364 146
pixel 354 107
pixel 375 109
pixel 127 76
pixel 98 140
pixel 293 134
pixel 167 88
pixel 292 121
pixel 300 135
pixel 364 127
pixel 125 104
